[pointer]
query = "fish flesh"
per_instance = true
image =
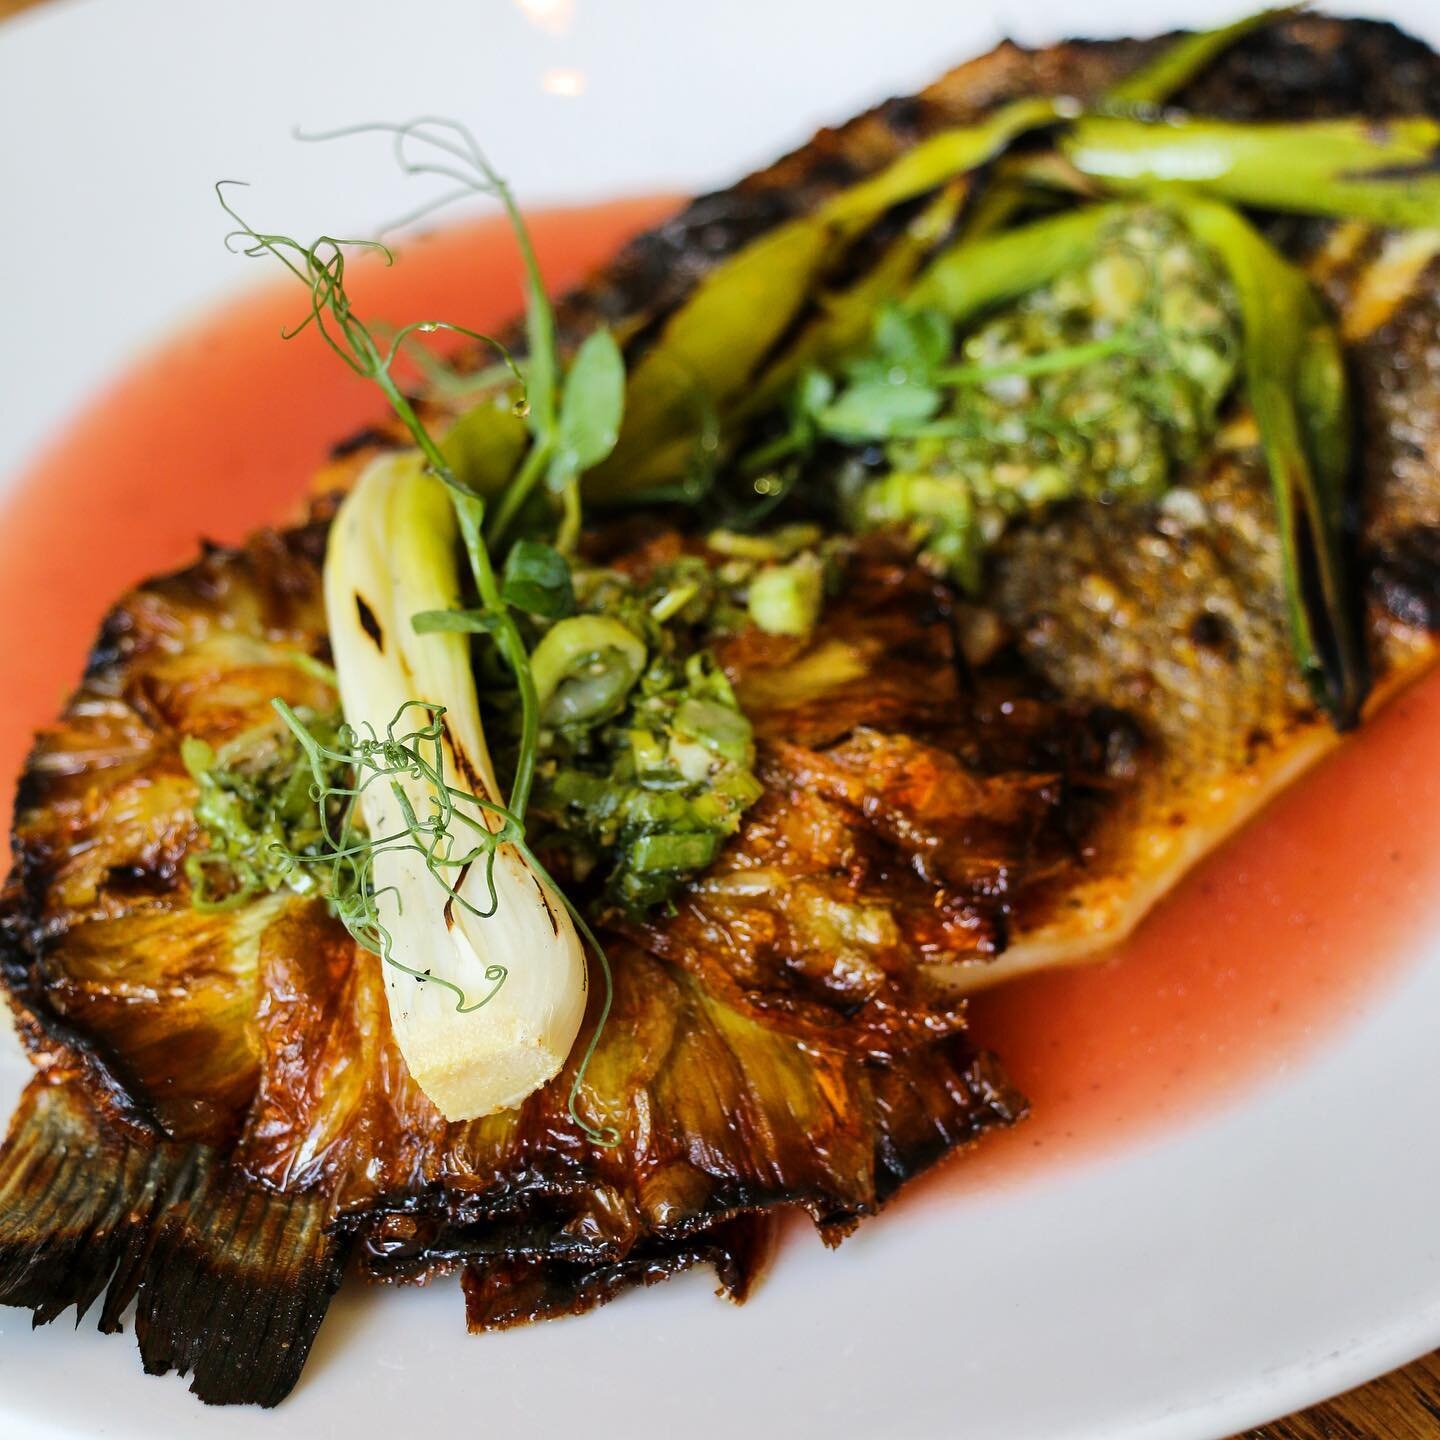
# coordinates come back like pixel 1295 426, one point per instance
pixel 955 791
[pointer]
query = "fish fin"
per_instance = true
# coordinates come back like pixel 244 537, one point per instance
pixel 230 1281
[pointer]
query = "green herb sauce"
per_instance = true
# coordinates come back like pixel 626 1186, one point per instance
pixel 646 760
pixel 1099 385
pixel 256 805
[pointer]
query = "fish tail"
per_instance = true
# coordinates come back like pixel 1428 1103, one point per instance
pixel 230 1282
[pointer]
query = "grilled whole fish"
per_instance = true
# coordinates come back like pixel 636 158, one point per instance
pixel 954 793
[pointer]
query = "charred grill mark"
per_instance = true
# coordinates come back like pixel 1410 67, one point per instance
pixel 500 1293
pixel 153 879
pixel 545 901
pixel 463 764
pixel 449 911
pixel 371 437
pixel 1405 578
pixel 1318 67
pixel 903 116
pixel 1213 632
pixel 116 639
pixel 369 624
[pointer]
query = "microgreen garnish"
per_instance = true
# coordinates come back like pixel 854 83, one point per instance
pixel 570 431
pixel 588 425
pixel 1099 379
pixel 458 831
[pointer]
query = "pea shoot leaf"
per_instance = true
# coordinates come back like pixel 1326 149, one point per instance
pixel 914 340
pixel 537 579
pixel 462 622
pixel 878 410
pixel 592 406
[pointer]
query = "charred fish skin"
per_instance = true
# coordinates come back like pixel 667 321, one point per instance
pixel 1201 668
pixel 202 653
pixel 538 1225
pixel 1306 66
pixel 274 1087
pixel 1397 365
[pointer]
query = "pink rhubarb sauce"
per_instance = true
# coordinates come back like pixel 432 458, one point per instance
pixel 1291 927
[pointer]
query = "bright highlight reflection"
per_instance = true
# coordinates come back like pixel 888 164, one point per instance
pixel 554 16
pixel 562 81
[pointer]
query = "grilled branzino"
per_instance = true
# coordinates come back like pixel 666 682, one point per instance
pixel 953 793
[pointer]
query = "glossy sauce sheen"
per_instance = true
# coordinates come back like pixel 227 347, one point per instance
pixel 1260 953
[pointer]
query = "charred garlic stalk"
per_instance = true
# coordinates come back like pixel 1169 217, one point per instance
pixel 439 879
pixel 492 933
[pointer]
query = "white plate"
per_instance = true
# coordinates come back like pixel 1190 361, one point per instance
pixel 1234 1269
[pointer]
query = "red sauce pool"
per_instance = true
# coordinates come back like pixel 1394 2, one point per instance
pixel 1262 952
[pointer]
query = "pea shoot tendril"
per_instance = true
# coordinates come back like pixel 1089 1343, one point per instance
pixel 342 772
pixel 460 828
